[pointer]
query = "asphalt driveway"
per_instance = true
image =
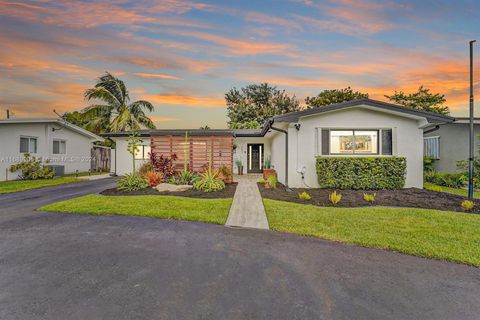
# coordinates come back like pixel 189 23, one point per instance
pixel 67 266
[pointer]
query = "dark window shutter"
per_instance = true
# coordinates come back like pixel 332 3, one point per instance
pixel 325 141
pixel 387 141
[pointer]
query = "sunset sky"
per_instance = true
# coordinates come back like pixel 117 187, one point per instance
pixel 184 55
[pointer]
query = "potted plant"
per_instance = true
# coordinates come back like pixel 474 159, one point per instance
pixel 267 169
pixel 239 164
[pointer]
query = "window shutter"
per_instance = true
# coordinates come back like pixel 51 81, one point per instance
pixel 325 141
pixel 387 141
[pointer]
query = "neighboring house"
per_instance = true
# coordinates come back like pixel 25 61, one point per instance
pixel 293 141
pixel 66 146
pixel 448 143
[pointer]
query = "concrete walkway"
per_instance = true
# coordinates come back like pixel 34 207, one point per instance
pixel 247 208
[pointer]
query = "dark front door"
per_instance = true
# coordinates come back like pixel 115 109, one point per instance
pixel 254 158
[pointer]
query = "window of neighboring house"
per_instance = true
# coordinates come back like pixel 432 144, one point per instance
pixel 353 142
pixel 431 147
pixel 28 145
pixel 59 147
pixel 142 152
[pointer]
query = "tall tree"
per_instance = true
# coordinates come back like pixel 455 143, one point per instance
pixel 250 106
pixel 421 100
pixel 327 97
pixel 114 112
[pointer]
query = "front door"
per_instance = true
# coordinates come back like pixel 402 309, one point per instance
pixel 254 158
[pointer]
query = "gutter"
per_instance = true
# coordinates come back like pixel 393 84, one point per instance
pixel 270 125
pixel 432 130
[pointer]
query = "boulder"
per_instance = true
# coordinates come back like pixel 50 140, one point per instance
pixel 162 187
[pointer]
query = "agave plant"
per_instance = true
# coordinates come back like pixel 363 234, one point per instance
pixel 209 181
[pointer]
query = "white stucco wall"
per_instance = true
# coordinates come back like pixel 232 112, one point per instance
pixel 78 147
pixel 407 140
pixel 241 150
pixel 123 159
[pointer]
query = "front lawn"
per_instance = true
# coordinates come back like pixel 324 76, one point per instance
pixel 211 211
pixel 436 234
pixel 22 185
pixel 460 192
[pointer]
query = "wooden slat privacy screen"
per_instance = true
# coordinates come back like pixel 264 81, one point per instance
pixel 197 149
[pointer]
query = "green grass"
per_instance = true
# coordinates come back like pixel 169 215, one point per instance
pixel 211 211
pixel 459 192
pixel 22 185
pixel 426 233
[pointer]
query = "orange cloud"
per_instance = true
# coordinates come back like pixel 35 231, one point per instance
pixel 182 63
pixel 186 100
pixel 80 15
pixel 157 75
pixel 239 47
pixel 162 119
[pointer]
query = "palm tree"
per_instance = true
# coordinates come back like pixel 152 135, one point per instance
pixel 116 113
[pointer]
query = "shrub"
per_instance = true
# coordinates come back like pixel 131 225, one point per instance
pixel 369 197
pixel 153 178
pixel 131 182
pixel 364 173
pixel 467 205
pixel 262 181
pixel 209 181
pixel 271 182
pixel 184 177
pixel 225 174
pixel 163 164
pixel 334 197
pixel 32 168
pixel 452 180
pixel 428 164
pixel 145 168
pixel 304 196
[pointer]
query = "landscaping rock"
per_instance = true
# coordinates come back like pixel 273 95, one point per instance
pixel 162 187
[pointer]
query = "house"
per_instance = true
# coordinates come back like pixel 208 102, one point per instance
pixel 448 143
pixel 66 146
pixel 292 141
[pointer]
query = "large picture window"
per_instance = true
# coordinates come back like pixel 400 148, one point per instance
pixel 353 142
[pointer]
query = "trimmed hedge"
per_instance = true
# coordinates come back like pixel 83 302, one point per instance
pixel 361 173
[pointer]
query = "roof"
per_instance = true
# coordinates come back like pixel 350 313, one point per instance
pixel 57 121
pixel 430 116
pixel 466 120
pixel 174 132
pixel 192 132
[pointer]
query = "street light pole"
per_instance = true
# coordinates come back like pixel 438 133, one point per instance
pixel 471 136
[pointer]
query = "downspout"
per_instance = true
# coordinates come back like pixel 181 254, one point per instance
pixel 286 149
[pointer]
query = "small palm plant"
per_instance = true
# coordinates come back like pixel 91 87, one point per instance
pixel 335 198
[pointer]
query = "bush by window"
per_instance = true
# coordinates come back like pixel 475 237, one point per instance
pixel 361 173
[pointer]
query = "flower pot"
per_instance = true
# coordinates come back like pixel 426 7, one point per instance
pixel 268 172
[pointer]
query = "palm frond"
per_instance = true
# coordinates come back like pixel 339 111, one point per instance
pixel 141 105
pixel 115 86
pixel 102 94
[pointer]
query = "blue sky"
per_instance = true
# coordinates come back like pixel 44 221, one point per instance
pixel 184 55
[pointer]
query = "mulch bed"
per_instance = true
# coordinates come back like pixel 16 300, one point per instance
pixel 228 192
pixel 411 197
